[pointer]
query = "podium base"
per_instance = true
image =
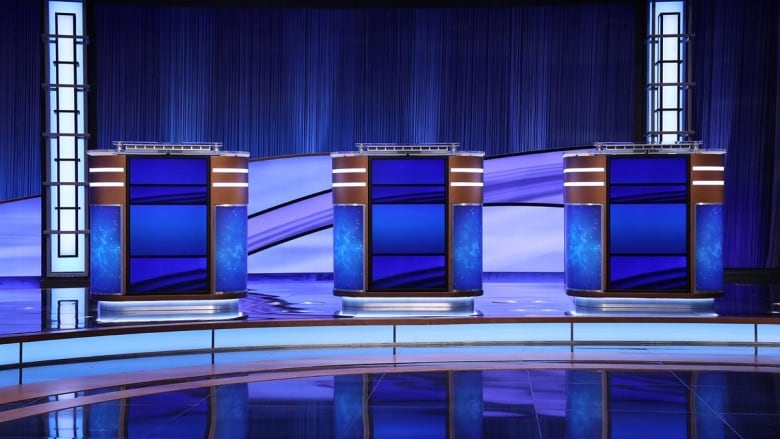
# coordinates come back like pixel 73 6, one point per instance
pixel 393 307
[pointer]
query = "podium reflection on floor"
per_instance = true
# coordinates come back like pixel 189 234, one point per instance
pixel 452 401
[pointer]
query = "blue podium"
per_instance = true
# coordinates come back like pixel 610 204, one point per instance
pixel 407 230
pixel 644 226
pixel 168 227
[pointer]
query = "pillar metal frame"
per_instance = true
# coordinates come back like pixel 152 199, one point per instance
pixel 669 78
pixel 65 224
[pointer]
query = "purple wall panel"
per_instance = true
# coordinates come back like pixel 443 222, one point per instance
pixel 516 238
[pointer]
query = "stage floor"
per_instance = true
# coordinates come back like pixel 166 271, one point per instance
pixel 352 391
pixel 523 399
pixel 305 297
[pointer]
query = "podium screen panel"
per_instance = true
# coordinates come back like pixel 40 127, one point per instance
pixel 168 194
pixel 408 272
pixel 408 194
pixel 675 193
pixel 168 225
pixel 168 275
pixel 408 224
pixel 648 223
pixel 651 229
pixel 168 230
pixel 166 171
pixel 408 228
pixel 648 170
pixel 408 170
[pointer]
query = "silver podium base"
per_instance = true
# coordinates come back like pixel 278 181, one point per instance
pixel 407 307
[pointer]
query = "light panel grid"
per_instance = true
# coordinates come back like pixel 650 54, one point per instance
pixel 65 223
pixel 667 73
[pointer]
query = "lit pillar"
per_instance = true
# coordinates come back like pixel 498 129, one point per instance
pixel 668 73
pixel 64 220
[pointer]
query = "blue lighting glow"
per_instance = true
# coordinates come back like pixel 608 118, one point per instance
pixel 709 247
pixel 583 247
pixel 348 248
pixel 119 344
pixel 105 249
pixel 670 332
pixel 230 263
pixel 484 332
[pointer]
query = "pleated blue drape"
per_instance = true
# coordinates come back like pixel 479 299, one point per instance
pixel 292 81
pixel 735 108
pixel 20 88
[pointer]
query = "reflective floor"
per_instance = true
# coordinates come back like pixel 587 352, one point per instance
pixel 441 397
pixel 26 308
pixel 448 401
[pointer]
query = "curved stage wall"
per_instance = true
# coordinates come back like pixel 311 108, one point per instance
pixel 291 218
pixel 290 230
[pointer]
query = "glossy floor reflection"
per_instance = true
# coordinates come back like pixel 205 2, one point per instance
pixel 506 402
pixel 26 308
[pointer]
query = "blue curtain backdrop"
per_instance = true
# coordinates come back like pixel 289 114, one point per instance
pixel 20 88
pixel 292 81
pixel 737 91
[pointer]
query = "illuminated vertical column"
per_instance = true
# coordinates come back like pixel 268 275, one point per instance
pixel 64 222
pixel 668 73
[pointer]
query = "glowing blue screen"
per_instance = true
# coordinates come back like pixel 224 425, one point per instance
pixel 648 229
pixel 408 171
pixel 168 275
pixel 408 272
pixel 408 228
pixel 408 194
pixel 168 230
pixel 168 194
pixel 168 171
pixel 648 170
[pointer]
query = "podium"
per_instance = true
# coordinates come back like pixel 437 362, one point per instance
pixel 407 230
pixel 644 226
pixel 168 227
